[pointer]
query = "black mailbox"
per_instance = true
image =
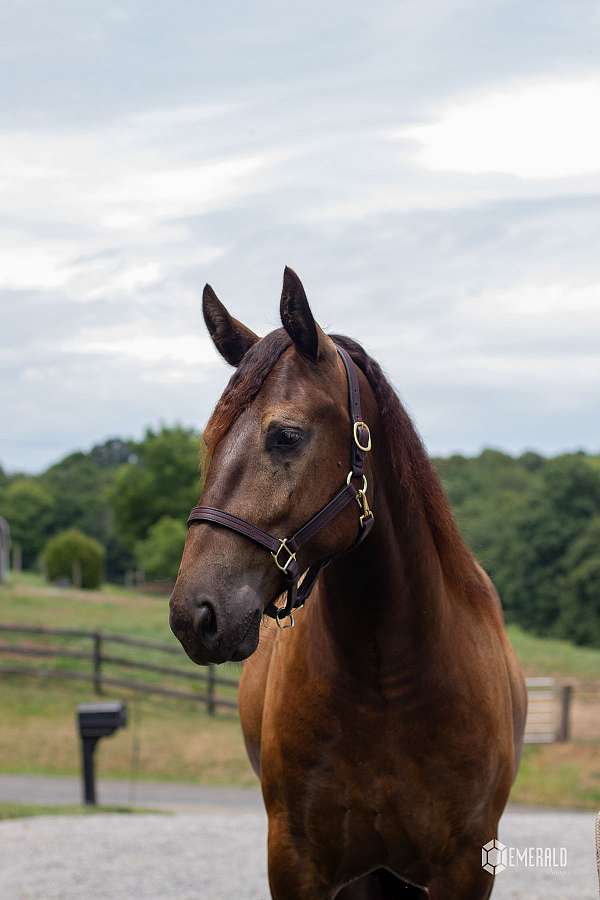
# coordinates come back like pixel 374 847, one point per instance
pixel 96 720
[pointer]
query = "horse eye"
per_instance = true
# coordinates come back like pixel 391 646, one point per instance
pixel 287 437
pixel 283 437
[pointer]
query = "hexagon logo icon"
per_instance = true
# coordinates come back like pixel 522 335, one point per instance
pixel 493 857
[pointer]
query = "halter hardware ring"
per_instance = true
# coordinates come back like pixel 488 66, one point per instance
pixel 279 619
pixel 283 546
pixel 363 489
pixel 364 447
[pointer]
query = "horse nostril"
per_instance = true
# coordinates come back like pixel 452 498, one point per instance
pixel 205 623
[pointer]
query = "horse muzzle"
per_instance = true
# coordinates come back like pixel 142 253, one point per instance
pixel 212 631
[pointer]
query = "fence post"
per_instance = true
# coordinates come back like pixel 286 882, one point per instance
pixel 97 662
pixel 564 726
pixel 210 690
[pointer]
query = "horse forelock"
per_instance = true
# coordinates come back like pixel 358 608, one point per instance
pixel 244 385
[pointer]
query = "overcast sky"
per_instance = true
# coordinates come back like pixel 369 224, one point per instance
pixel 431 170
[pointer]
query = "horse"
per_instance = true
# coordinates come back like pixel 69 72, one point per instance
pixel 386 726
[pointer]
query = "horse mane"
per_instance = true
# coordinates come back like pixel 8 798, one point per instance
pixel 408 458
pixel 413 470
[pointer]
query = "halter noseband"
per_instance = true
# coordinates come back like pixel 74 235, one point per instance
pixel 284 550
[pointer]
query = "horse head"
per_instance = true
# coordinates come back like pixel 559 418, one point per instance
pixel 278 450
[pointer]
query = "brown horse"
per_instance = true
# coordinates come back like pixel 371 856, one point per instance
pixel 386 726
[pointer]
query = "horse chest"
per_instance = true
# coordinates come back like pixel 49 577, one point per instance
pixel 358 782
pixel 356 768
pixel 353 810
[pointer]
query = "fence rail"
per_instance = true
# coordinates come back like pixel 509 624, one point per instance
pixel 99 660
pixel 548 717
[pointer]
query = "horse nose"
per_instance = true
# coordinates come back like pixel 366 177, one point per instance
pixel 205 622
pixel 212 630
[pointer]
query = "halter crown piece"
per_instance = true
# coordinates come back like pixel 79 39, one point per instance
pixel 284 550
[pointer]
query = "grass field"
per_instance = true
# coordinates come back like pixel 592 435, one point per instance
pixel 27 810
pixel 545 656
pixel 27 600
pixel 170 740
pixel 176 740
pixel 566 775
pixel 166 739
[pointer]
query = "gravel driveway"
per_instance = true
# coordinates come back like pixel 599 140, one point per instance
pixel 220 855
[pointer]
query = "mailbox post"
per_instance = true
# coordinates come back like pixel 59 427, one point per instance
pixel 96 720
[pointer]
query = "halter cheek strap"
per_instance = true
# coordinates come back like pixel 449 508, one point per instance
pixel 284 550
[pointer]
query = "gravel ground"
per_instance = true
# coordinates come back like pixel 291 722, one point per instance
pixel 221 855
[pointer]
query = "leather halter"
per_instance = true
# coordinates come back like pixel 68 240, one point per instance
pixel 284 550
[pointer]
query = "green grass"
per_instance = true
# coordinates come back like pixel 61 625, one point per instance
pixel 176 740
pixel 556 775
pixel 28 601
pixel 546 656
pixel 163 741
pixel 26 810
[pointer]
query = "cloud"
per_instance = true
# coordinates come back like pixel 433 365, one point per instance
pixel 109 199
pixel 544 129
pixel 432 176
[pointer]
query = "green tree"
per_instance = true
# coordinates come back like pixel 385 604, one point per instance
pixel 81 487
pixel 161 480
pixel 72 554
pixel 488 493
pixel 560 509
pixel 29 508
pixel 81 484
pixel 579 619
pixel 159 554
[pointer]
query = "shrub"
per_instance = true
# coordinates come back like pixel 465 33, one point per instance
pixel 69 550
pixel 159 555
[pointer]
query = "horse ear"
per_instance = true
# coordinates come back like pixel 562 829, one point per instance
pixel 296 316
pixel 230 337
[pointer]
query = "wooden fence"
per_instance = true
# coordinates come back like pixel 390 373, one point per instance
pixel 100 655
pixel 549 711
pixel 548 717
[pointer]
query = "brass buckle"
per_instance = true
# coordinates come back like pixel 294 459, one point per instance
pixel 367 447
pixel 279 619
pixel 283 546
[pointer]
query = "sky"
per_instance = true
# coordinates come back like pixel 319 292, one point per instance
pixel 431 171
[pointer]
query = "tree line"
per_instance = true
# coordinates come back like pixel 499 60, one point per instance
pixel 130 496
pixel 533 521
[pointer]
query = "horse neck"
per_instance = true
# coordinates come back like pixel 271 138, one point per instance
pixel 387 602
